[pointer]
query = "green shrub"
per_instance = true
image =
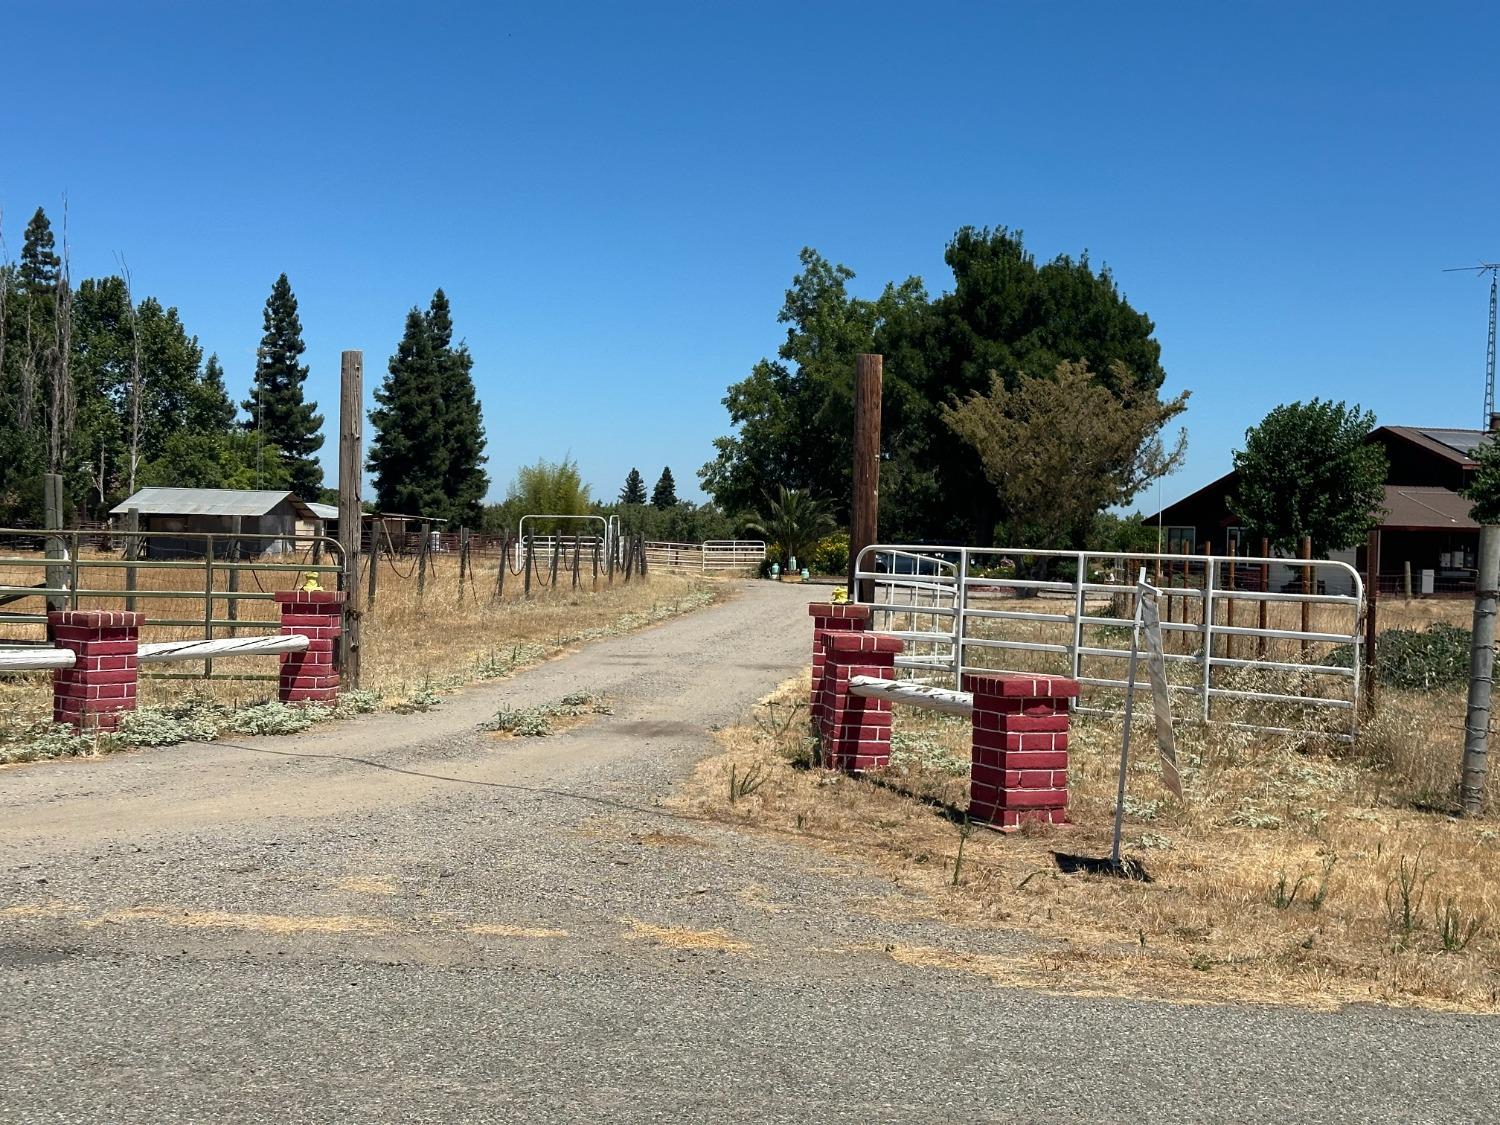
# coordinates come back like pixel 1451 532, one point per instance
pixel 831 555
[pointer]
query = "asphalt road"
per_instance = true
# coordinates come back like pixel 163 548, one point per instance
pixel 402 919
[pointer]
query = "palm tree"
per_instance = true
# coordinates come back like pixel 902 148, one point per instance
pixel 792 524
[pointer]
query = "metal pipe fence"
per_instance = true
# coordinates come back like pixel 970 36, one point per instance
pixel 194 596
pixel 1267 644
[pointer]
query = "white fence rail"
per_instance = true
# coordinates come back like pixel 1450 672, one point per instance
pixel 1266 644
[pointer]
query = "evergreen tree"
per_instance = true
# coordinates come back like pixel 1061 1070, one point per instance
pixel 664 495
pixel 276 406
pixel 210 409
pixel 40 265
pixel 408 453
pixel 634 491
pixel 464 482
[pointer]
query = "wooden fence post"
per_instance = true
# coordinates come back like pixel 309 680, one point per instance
pixel 577 547
pixel 552 571
pixel 232 581
pixel 52 505
pixel 373 562
pixel 132 552
pixel 422 560
pixel 527 571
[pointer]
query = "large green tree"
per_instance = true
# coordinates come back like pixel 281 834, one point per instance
pixel 1307 470
pixel 407 453
pixel 464 481
pixel 428 448
pixel 634 491
pixel 793 416
pixel 664 495
pixel 278 410
pixel 1061 448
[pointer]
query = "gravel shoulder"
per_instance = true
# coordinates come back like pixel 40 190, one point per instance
pixel 405 918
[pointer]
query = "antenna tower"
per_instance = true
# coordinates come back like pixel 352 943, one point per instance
pixel 1493 269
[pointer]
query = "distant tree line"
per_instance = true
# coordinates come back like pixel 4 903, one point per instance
pixel 111 391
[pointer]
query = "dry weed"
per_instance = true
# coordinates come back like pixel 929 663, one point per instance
pixel 1279 878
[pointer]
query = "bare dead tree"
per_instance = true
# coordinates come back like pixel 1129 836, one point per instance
pixel 60 363
pixel 135 374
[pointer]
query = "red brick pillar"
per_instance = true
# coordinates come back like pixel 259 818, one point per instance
pixel 100 687
pixel 311 676
pixel 855 731
pixel 831 617
pixel 1020 756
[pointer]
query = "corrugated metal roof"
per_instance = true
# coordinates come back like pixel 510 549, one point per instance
pixel 209 502
pixel 324 511
pixel 1426 509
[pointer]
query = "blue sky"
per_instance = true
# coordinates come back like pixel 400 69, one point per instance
pixel 614 195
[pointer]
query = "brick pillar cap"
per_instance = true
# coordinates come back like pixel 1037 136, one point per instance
pixel 97 618
pixel 861 642
pixel 839 609
pixel 1013 685
pixel 310 597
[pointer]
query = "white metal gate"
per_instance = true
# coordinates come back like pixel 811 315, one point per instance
pixel 1266 644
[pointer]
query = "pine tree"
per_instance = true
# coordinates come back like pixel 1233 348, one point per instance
pixel 408 453
pixel 634 491
pixel 464 482
pixel 664 495
pixel 276 406
pixel 40 264
pixel 210 409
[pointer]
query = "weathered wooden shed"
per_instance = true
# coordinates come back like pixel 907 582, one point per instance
pixel 195 512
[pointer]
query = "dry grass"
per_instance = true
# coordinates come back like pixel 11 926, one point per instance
pixel 1280 878
pixel 411 644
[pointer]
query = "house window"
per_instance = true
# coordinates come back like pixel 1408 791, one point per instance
pixel 1234 541
pixel 1182 540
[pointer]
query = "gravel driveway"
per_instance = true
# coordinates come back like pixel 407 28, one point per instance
pixel 401 918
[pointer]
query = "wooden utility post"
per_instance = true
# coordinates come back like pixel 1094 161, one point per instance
pixel 864 505
pixel 351 514
pixel 1372 600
